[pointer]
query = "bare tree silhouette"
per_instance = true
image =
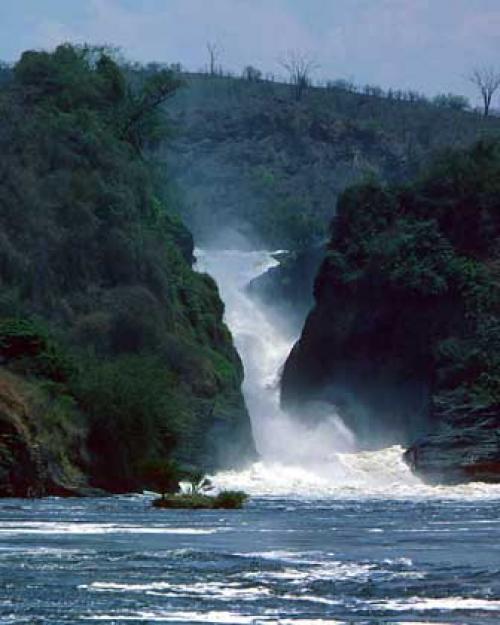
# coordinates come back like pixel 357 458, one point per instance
pixel 487 81
pixel 213 55
pixel 300 68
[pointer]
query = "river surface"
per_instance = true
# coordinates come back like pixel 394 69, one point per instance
pixel 291 561
pixel 332 534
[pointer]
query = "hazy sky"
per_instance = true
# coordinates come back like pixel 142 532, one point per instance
pixel 428 45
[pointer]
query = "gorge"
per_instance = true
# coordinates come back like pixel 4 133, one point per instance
pixel 115 352
pixel 207 276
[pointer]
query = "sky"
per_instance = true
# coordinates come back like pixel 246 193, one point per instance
pixel 425 45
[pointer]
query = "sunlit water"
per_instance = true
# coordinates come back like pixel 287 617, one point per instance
pixel 332 534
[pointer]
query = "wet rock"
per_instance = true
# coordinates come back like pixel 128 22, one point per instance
pixel 465 448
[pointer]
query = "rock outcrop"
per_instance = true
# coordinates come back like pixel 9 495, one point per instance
pixel 38 455
pixel 404 337
pixel 361 353
pixel 287 288
pixel 465 448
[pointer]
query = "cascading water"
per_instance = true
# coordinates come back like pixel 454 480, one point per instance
pixel 378 547
pixel 316 456
pixel 263 349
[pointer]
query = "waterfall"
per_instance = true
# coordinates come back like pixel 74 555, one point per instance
pixel 317 455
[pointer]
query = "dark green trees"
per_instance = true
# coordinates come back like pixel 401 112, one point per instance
pixel 408 302
pixel 92 251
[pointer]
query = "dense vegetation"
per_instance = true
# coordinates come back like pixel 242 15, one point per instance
pixel 113 353
pixel 112 343
pixel 247 154
pixel 405 332
pixel 225 500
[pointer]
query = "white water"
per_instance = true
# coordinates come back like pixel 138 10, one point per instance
pixel 318 456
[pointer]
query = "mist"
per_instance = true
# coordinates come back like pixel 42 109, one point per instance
pixel 263 345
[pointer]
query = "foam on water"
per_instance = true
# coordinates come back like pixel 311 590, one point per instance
pixel 169 616
pixel 225 591
pixel 316 457
pixel 440 603
pixel 42 527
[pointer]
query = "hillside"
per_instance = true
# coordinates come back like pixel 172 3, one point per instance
pixel 113 352
pixel 250 158
pixel 403 337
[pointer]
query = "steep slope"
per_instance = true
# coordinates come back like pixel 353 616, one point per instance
pixel 403 338
pixel 102 319
pixel 251 158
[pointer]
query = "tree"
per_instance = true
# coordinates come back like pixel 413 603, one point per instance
pixel 213 55
pixel 451 101
pixel 487 81
pixel 162 475
pixel 142 121
pixel 198 483
pixel 252 74
pixel 300 68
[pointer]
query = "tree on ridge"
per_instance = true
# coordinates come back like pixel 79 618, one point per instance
pixel 487 81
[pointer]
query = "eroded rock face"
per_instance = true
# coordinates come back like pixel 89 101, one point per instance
pixel 31 464
pixel 364 353
pixel 465 448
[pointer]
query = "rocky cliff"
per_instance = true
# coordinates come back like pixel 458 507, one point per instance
pixel 287 288
pixel 259 167
pixel 403 337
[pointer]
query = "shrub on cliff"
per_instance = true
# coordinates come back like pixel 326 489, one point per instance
pixel 28 347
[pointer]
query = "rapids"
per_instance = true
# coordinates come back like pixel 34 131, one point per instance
pixel 297 459
pixel 332 535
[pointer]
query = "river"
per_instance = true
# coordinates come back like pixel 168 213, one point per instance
pixel 332 534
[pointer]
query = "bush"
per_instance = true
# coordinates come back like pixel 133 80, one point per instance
pixel 161 475
pixel 28 346
pixel 230 499
pixel 226 499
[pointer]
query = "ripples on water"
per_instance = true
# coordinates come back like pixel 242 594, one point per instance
pixel 289 561
pixel 374 546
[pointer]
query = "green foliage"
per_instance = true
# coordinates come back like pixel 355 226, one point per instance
pixel 129 397
pixel 98 292
pixel 28 346
pixel 161 475
pixel 250 157
pixel 230 499
pixel 432 247
pixel 226 499
pixel 288 225
pixel 461 191
pixel 451 101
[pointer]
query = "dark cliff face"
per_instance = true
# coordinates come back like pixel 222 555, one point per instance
pixel 463 447
pixel 115 348
pixel 404 332
pixel 365 353
pixel 288 287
